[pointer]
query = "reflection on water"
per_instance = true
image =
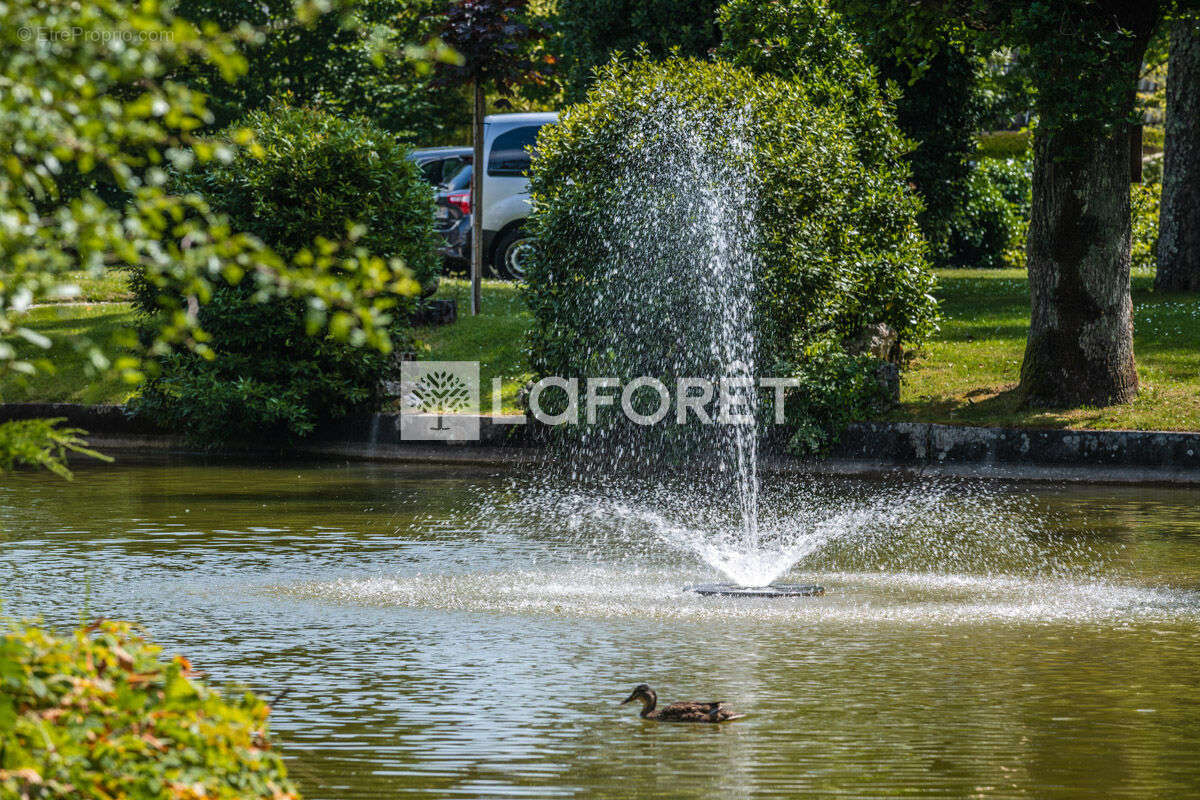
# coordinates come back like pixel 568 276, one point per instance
pixel 445 634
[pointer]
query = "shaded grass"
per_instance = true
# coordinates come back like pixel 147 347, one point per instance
pixel 66 372
pixel 969 373
pixel 495 338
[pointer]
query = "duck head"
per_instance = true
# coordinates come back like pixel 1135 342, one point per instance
pixel 646 695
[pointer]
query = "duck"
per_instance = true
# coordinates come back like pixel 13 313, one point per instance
pixel 680 712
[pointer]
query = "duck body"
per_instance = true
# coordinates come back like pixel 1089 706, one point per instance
pixel 680 712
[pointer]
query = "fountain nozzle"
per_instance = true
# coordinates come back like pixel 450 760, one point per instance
pixel 770 590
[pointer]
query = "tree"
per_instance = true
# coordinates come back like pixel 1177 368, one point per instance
pixel 1179 216
pixel 92 125
pixel 357 60
pixel 936 100
pixel 938 108
pixel 1085 56
pixel 498 46
pixel 592 30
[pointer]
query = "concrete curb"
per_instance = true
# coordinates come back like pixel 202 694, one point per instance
pixel 924 443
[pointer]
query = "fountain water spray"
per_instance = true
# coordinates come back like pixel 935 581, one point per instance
pixel 676 288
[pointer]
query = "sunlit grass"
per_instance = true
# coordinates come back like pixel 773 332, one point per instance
pixel 112 285
pixel 66 372
pixel 968 374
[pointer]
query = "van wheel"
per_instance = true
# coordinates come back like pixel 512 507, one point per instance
pixel 511 256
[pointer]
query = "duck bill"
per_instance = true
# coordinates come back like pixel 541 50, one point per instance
pixel 629 699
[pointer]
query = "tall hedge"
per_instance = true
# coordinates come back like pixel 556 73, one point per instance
pixel 835 241
pixel 308 177
pixel 101 714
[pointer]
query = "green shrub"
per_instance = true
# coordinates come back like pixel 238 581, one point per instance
pixel 102 714
pixel 835 244
pixel 308 177
pixel 836 388
pixel 988 229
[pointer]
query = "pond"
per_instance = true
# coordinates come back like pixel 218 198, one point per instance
pixel 445 633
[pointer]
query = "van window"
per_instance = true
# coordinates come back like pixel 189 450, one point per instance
pixel 509 155
pixel 431 171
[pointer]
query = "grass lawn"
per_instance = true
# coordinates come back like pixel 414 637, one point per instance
pixel 495 338
pixel 967 375
pixel 112 286
pixel 68 376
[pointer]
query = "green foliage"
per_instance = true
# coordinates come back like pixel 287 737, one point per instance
pixel 836 388
pixel 269 378
pixel 355 61
pixel 1145 199
pixel 1153 139
pixel 837 246
pixel 1083 56
pixel 1006 90
pixel 101 714
pixel 42 443
pixel 94 119
pixel 808 42
pixel 987 228
pixel 309 174
pixel 593 30
pixel 936 107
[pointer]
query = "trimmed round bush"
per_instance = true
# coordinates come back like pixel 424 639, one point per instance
pixel 306 181
pixel 101 714
pixel 308 174
pixel 835 243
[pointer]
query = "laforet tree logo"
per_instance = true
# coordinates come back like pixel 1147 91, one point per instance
pixel 440 392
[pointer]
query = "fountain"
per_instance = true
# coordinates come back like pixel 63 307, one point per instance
pixel 677 286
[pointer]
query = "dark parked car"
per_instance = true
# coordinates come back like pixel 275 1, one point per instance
pixel 452 216
pixel 439 164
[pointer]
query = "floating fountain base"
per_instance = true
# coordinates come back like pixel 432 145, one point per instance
pixel 773 590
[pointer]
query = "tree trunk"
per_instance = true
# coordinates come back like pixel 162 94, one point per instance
pixel 1080 347
pixel 477 171
pixel 1179 216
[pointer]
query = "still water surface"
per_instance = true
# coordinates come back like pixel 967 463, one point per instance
pixel 431 651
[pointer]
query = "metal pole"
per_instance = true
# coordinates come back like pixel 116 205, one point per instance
pixel 477 171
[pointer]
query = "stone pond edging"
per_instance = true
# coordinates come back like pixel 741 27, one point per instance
pixel 867 447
